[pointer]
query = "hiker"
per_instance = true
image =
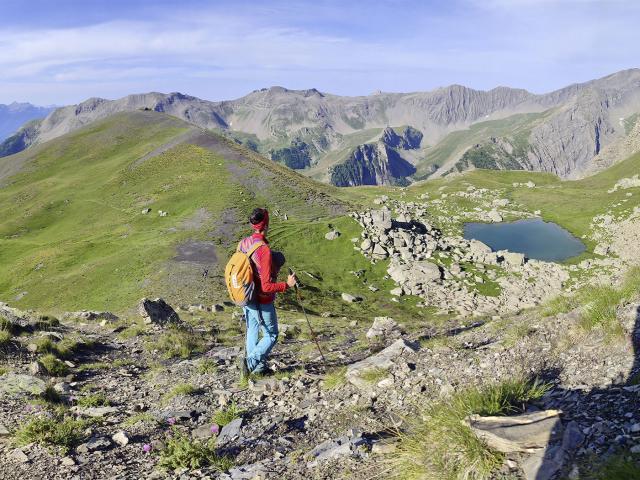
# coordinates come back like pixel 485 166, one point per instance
pixel 260 314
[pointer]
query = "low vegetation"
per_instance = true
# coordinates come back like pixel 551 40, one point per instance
pixel 335 378
pixel 183 452
pixel 227 415
pixel 93 400
pixel 177 343
pixel 441 446
pixel 60 431
pixel 53 366
pixel 181 389
pixel 206 366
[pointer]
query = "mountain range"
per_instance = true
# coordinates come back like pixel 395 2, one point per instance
pixel 15 115
pixel 571 132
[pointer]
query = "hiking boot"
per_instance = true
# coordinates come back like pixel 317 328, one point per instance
pixel 244 369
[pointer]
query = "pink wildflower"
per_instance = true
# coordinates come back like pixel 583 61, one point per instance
pixel 146 448
pixel 215 429
pixel 171 421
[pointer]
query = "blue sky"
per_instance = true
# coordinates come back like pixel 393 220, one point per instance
pixel 64 51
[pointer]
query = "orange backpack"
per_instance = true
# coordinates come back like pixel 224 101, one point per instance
pixel 238 275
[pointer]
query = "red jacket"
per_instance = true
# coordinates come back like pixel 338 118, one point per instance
pixel 265 276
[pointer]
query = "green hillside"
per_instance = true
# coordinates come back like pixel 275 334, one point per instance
pixel 74 235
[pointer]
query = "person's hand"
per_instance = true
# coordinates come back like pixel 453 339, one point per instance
pixel 292 280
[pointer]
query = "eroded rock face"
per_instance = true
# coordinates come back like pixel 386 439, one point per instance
pixel 157 312
pixel 384 360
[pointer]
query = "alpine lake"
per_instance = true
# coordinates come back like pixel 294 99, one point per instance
pixel 534 237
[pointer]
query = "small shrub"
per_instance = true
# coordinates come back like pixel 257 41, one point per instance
pixel 53 366
pixel 177 343
pixel 180 389
pixel 227 415
pixel 182 452
pixel 93 400
pixel 207 366
pixel 60 431
pixel 335 378
pixel 441 446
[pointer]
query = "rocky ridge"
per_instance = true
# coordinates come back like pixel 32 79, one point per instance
pixel 579 120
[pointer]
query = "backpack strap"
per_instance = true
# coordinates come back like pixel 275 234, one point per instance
pixel 254 247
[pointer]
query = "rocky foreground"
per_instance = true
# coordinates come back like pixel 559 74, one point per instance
pixel 305 420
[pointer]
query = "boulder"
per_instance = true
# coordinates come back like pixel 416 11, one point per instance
pixel 365 245
pixel 383 328
pixel 157 311
pixel 526 433
pixel 494 216
pixel 381 219
pixel 332 235
pixel 15 383
pixel 120 438
pixel 413 273
pixel 512 258
pixel 383 360
pixel 230 432
pixel 350 298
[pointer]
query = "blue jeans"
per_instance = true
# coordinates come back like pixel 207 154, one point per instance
pixel 261 319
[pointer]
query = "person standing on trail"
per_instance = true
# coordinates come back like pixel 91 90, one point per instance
pixel 260 314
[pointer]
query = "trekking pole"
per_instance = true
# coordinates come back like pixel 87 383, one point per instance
pixel 313 334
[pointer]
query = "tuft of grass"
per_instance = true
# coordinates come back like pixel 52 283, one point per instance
pixel 139 418
pixel 60 431
pixel 183 452
pixel 227 415
pixel 374 375
pixel 206 366
pixel 559 304
pixel 50 395
pixel 93 366
pixel 135 330
pixel 5 337
pixel 93 400
pixel 3 370
pixel 441 446
pixel 53 366
pixel 335 378
pixel 180 389
pixel 177 343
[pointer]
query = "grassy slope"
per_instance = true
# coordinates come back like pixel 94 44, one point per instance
pixel 73 235
pixel 454 144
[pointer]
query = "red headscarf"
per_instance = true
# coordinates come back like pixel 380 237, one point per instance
pixel 263 224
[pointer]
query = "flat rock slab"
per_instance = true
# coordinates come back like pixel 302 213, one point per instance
pixel 527 433
pixel 15 383
pixel 230 431
pixel 384 360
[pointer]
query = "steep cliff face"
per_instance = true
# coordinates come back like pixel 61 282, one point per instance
pixel 372 164
pixel 379 163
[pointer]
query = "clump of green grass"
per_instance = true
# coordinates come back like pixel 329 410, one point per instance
pixel 93 400
pixel 441 446
pixel 50 395
pixel 177 343
pixel 180 389
pixel 61 431
pixel 63 349
pixel 183 452
pixel 3 370
pixel 206 366
pixel 374 375
pixel 335 378
pixel 560 304
pixel 139 418
pixel 5 337
pixel 132 331
pixel 53 366
pixel 93 366
pixel 227 415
